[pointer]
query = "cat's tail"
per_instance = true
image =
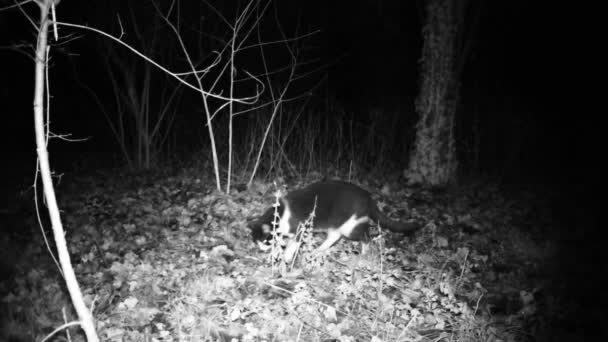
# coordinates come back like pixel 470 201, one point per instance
pixel 393 225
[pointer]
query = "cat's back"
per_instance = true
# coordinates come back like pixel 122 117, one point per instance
pixel 330 198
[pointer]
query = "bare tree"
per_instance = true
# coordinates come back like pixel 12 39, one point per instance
pixel 41 83
pixel 144 110
pixel 208 89
pixel 240 32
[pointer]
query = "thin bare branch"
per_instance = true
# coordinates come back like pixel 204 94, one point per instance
pixel 254 25
pixel 282 32
pixel 122 29
pixel 63 326
pixel 20 48
pixel 277 106
pixel 65 137
pixel 54 15
pixel 264 63
pixel 164 110
pixel 218 110
pixel 203 96
pixel 219 14
pixel 17 4
pixel 48 95
pixel 32 21
pixel 215 62
pixel 280 70
pixel 285 100
pixel 68 39
pixel 321 67
pixel 244 100
pixel 281 41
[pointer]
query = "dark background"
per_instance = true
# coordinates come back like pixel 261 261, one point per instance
pixel 518 81
pixel 523 84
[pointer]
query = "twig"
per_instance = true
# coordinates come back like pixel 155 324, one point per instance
pixel 18 4
pixel 63 326
pixel 244 100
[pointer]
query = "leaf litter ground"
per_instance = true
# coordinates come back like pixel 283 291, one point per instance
pixel 169 259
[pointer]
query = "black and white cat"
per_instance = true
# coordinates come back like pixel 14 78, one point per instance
pixel 341 210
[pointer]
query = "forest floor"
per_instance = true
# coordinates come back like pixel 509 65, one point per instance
pixel 168 258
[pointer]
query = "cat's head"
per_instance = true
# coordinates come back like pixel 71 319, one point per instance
pixel 261 229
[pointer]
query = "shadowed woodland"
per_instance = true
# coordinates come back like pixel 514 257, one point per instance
pixel 163 128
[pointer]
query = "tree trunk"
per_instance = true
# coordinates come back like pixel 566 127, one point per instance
pixel 434 161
